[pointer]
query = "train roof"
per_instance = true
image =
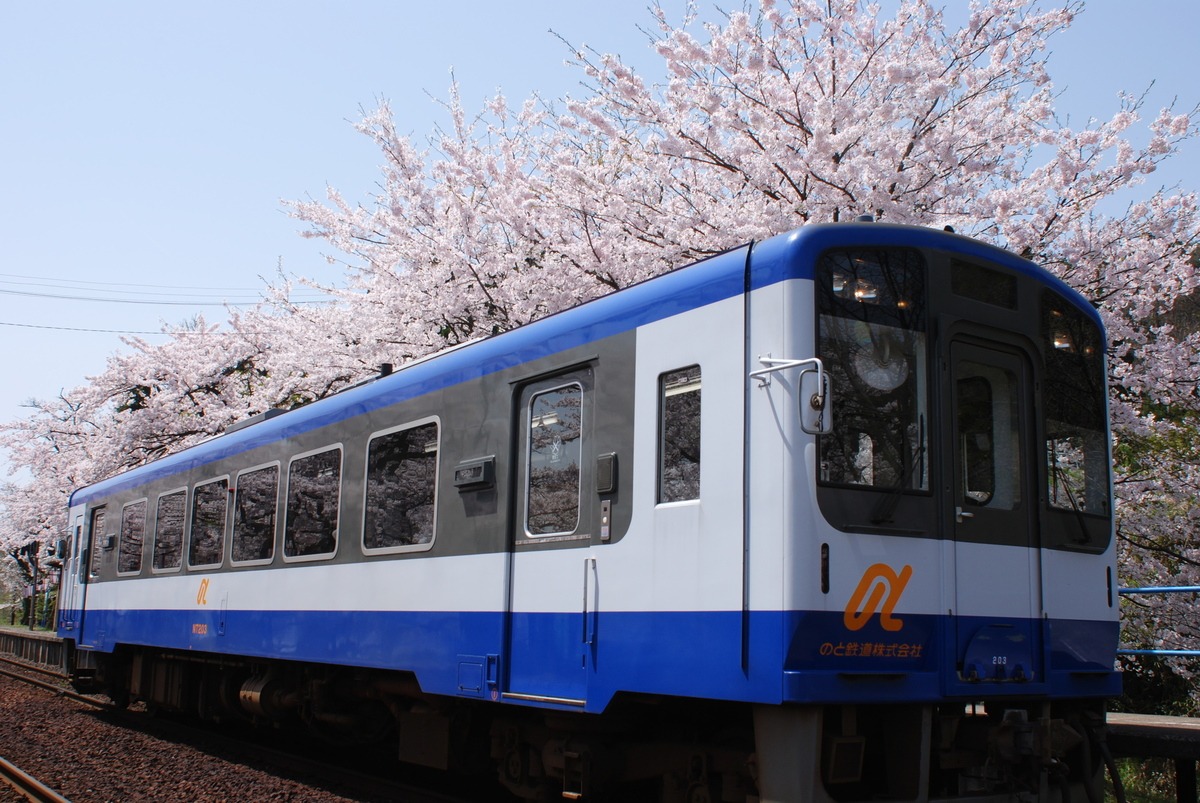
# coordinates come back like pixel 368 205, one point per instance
pixel 785 256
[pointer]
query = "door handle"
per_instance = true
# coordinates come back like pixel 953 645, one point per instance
pixel 960 514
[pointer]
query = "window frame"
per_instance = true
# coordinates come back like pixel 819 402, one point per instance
pixel 1074 526
pixel 96 553
pixel 233 523
pixel 191 523
pixel 834 315
pixel 183 532
pixel 287 508
pixel 437 477
pixel 660 463
pixel 568 381
pixel 121 537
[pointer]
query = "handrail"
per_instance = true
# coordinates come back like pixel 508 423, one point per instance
pixel 1128 592
pixel 1159 590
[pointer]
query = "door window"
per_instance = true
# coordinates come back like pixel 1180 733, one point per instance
pixel 988 427
pixel 554 454
pixel 98 536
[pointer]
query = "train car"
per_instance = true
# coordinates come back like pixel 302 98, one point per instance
pixel 823 518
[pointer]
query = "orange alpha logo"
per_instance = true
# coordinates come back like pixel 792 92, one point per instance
pixel 879 584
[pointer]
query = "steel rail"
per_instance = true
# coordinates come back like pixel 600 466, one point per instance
pixel 27 786
pixel 42 668
pixel 57 689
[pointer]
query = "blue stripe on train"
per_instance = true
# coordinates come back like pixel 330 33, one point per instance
pixel 678 654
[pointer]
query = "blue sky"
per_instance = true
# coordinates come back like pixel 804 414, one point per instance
pixel 151 143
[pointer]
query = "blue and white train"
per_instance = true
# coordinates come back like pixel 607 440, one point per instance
pixel 823 518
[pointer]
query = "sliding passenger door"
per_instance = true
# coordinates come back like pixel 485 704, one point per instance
pixel 997 566
pixel 71 593
pixel 552 585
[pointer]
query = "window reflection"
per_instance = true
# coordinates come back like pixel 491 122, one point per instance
pixel 97 540
pixel 872 341
pixel 679 449
pixel 168 530
pixel 401 488
pixel 209 504
pixel 133 531
pixel 314 483
pixel 555 431
pixel 254 510
pixel 988 430
pixel 1074 406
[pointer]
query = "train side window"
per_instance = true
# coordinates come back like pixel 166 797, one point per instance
pixel 133 534
pixel 168 530
pixel 314 488
pixel 402 469
pixel 255 503
pixel 679 435
pixel 555 457
pixel 97 541
pixel 210 503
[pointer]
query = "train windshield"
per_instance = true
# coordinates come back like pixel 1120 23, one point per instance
pixel 1011 428
pixel 1075 415
pixel 872 339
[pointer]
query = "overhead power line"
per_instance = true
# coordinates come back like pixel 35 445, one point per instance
pixel 50 281
pixel 152 302
pixel 112 331
pixel 158 302
pixel 152 294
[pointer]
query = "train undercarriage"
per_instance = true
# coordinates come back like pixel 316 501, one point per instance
pixel 644 748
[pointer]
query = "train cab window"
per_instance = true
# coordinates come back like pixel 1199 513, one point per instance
pixel 255 503
pixel 314 489
pixel 98 535
pixel 168 530
pixel 133 534
pixel 210 503
pixel 402 468
pixel 872 339
pixel 555 443
pixel 679 435
pixel 1075 418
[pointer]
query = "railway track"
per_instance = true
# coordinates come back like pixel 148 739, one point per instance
pixel 26 785
pixel 24 672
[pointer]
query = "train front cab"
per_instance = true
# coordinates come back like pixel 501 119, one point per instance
pixel 949 610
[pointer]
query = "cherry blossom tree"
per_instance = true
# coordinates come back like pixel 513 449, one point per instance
pixel 764 119
pixel 784 114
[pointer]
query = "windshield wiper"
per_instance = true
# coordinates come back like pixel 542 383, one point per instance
pixel 1060 477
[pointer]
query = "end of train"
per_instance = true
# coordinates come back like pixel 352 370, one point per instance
pixel 826 518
